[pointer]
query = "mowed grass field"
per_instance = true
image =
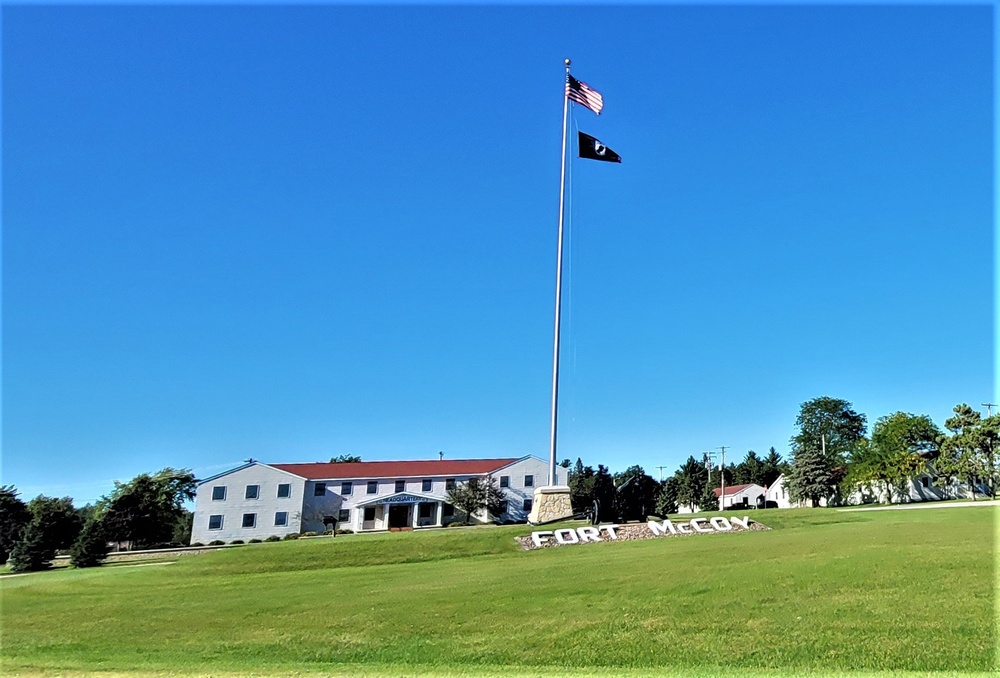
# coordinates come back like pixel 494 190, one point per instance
pixel 823 593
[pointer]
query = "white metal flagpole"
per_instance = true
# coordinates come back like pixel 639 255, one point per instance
pixel 555 348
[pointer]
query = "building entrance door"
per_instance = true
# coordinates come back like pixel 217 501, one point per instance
pixel 399 515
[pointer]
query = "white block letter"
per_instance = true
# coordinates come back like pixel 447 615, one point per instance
pixel 695 524
pixel 539 538
pixel 720 524
pixel 684 528
pixel 743 522
pixel 567 536
pixel 610 529
pixel 661 528
pixel 588 534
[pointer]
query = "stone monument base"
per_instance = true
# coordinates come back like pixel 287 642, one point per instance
pixel 550 503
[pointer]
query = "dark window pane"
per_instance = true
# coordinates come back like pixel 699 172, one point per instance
pixel 252 491
pixel 319 490
pixel 218 493
pixel 284 491
pixel 249 519
pixel 215 522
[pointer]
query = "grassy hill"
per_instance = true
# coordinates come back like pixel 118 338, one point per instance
pixel 824 591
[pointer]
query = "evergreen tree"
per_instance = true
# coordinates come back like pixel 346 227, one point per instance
pixel 58 521
pixel 581 487
pixel 635 494
pixel 666 500
pixel 690 481
pixel 14 518
pixel 477 494
pixel 707 501
pixel 774 466
pixel 604 493
pixel 33 552
pixel 810 476
pixel 91 548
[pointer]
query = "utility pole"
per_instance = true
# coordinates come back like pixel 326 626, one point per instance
pixel 722 474
pixel 661 471
pixel 989 409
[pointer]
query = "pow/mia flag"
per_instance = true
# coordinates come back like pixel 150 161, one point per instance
pixel 595 150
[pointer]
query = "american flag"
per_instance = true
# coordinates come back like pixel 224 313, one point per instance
pixel 582 94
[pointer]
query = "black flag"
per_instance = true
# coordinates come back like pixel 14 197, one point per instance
pixel 595 150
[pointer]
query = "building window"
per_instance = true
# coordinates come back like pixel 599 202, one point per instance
pixel 346 488
pixel 319 490
pixel 369 513
pixel 219 493
pixel 504 481
pixel 925 481
pixel 502 508
pixel 249 520
pixel 400 485
pixel 447 511
pixel 284 491
pixel 215 522
pixel 529 481
pixel 449 484
pixel 280 519
pixel 426 485
pixel 426 509
pixel 372 487
pixel 253 491
pixel 527 505
pixel 344 515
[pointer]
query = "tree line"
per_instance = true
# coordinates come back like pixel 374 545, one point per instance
pixel 146 512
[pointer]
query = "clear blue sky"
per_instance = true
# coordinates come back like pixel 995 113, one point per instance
pixel 294 233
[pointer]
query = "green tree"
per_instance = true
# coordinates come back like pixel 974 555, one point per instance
pixel 690 478
pixel 581 487
pixel 707 501
pixel 14 518
pixel 829 430
pixel 345 459
pixel 666 500
pixel 774 466
pixel 750 470
pixel 477 494
pixel 636 491
pixel 964 454
pixel 145 510
pixel 91 547
pixel 58 521
pixel 604 493
pixel 33 551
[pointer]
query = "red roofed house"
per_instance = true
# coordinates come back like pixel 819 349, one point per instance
pixel 260 500
pixel 740 496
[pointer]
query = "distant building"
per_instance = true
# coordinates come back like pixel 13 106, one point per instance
pixel 259 500
pixel 740 496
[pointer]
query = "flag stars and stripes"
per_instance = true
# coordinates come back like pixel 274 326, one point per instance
pixel 582 94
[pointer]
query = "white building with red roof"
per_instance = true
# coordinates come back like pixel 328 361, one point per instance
pixel 741 496
pixel 258 500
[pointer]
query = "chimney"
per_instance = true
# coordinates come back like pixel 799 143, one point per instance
pixel 440 456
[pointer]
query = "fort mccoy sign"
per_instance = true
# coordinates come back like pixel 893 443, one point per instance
pixel 666 528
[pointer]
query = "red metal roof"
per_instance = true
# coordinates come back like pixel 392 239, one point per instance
pixel 395 469
pixel 732 489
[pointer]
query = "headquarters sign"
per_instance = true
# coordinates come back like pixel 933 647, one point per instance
pixel 652 529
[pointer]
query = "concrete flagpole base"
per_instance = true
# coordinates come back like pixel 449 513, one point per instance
pixel 550 503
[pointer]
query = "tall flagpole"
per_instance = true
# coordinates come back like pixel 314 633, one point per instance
pixel 555 348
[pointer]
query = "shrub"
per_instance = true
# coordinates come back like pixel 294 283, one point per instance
pixel 273 537
pixel 254 541
pixel 291 535
pixel 327 533
pixel 458 523
pixel 237 541
pixel 308 534
pixel 216 542
pixel 346 530
pixel 197 543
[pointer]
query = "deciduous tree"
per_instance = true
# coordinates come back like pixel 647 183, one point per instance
pixel 477 494
pixel 829 430
pixel 145 510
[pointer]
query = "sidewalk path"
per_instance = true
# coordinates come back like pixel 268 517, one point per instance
pixel 928 505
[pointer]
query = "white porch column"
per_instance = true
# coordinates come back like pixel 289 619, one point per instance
pixel 439 513
pixel 415 518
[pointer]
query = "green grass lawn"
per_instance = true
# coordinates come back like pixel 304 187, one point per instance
pixel 822 593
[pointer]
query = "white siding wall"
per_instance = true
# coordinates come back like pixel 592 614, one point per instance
pixel 517 492
pixel 235 505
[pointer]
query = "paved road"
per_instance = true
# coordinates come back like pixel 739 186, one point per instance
pixel 928 505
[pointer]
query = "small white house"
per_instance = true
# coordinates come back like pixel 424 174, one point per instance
pixel 778 493
pixel 257 500
pixel 740 496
